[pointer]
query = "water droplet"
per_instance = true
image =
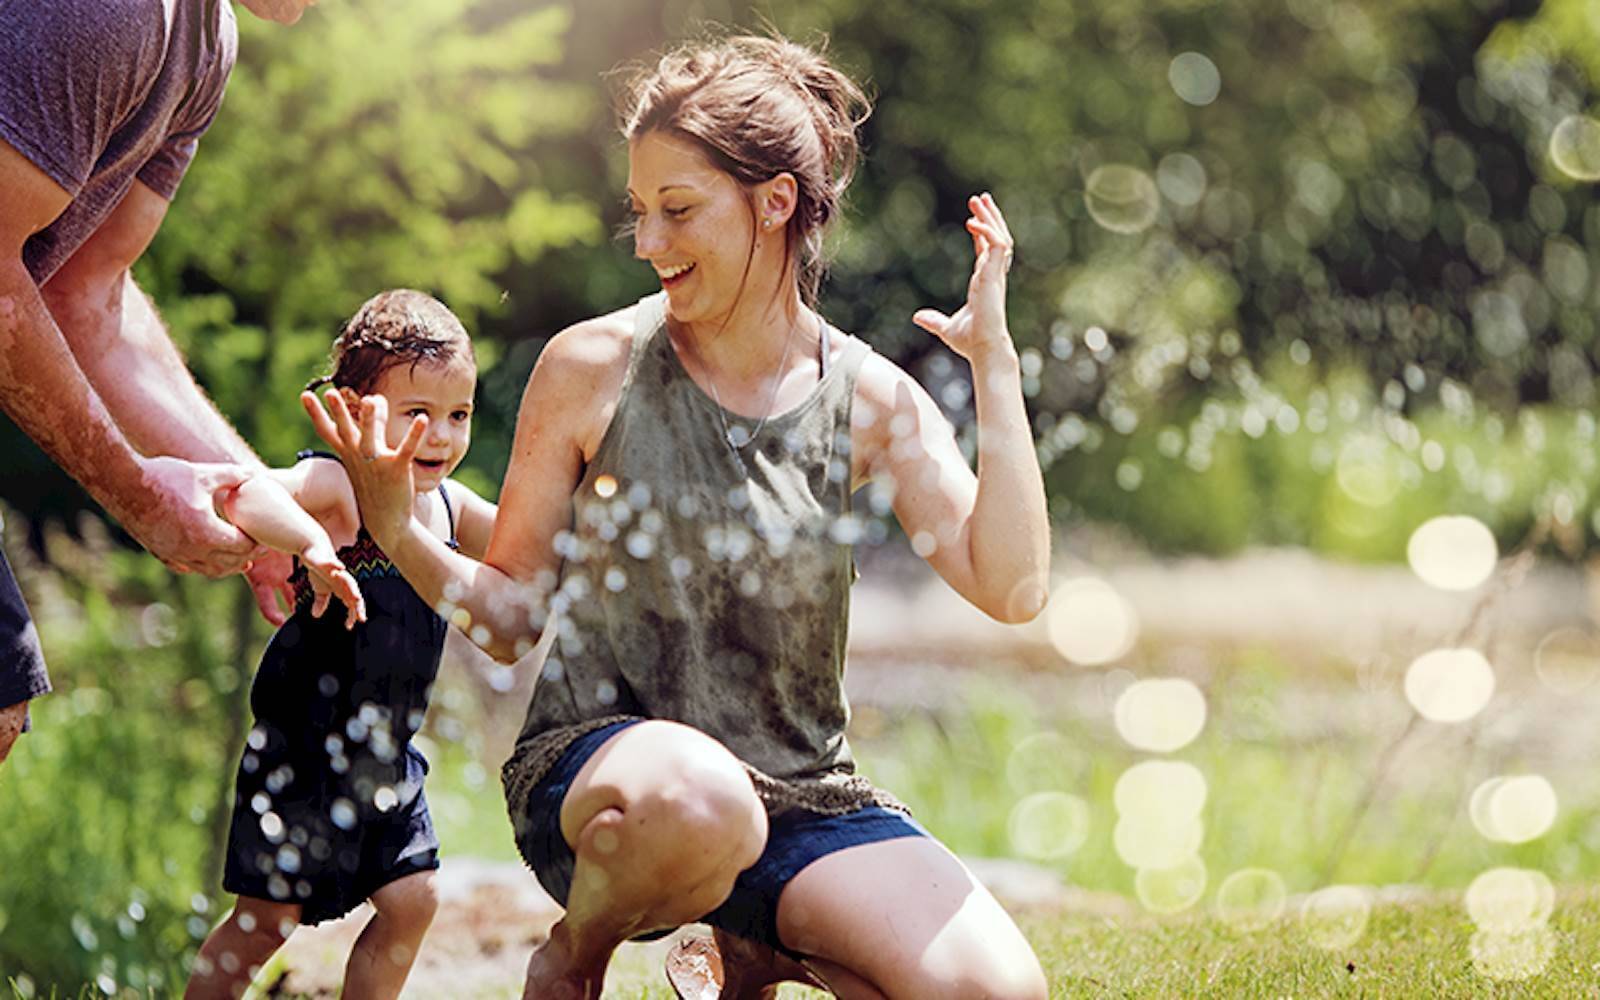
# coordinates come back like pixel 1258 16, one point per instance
pixel 1336 917
pixel 1182 179
pixel 1449 685
pixel 1121 198
pixel 1575 147
pixel 1142 842
pixel 272 827
pixel 1251 898
pixel 1090 623
pixel 1171 889
pixel 1160 791
pixel 1452 553
pixel 385 798
pixel 1514 956
pixel 1567 659
pixel 1508 900
pixel 1049 825
pixel 1194 78
pixel 1513 809
pixel 343 814
pixel 1040 762
pixel 605 486
pixel 1160 715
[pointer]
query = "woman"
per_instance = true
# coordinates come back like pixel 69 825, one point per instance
pixel 677 507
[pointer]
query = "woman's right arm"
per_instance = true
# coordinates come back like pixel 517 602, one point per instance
pixel 499 602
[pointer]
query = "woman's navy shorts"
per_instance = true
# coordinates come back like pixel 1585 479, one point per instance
pixel 794 840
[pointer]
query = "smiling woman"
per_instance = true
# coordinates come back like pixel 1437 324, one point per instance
pixel 678 508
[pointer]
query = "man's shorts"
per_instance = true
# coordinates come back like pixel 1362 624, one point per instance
pixel 22 673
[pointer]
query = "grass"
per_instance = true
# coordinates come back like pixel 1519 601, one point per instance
pixel 1418 949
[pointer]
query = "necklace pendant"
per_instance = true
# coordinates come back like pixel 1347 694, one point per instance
pixel 739 435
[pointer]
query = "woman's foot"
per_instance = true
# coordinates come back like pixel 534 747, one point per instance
pixel 729 967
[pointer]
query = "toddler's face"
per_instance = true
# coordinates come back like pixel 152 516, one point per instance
pixel 443 394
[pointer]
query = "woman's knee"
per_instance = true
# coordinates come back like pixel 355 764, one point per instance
pixel 1001 974
pixel 676 788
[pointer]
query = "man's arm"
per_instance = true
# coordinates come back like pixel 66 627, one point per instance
pixel 165 503
pixel 123 348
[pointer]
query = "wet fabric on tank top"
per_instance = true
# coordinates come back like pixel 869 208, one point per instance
pixel 709 585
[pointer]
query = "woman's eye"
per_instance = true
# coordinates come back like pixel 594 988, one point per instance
pixel 675 213
pixel 416 411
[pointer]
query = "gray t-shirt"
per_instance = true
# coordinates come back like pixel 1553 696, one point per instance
pixel 100 93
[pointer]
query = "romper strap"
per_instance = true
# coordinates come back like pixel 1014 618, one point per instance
pixel 450 513
pixel 305 453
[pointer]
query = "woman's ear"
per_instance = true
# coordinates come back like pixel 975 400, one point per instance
pixel 776 200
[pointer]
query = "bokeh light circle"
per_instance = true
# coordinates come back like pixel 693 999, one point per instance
pixel 1510 900
pixel 1171 889
pixel 1452 552
pixel 1042 762
pixel 1568 659
pixel 1449 685
pixel 1160 715
pixel 1181 178
pixel 1511 957
pixel 1251 898
pixel 1160 790
pixel 1194 78
pixel 1049 825
pixel 1336 917
pixel 1142 842
pixel 1121 198
pixel 1521 808
pixel 1364 472
pixel 1575 147
pixel 1090 623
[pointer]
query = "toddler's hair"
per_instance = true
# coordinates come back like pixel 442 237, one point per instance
pixel 392 328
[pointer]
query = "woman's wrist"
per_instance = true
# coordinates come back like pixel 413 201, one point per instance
pixel 996 358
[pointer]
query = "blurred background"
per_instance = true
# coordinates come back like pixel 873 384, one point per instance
pixel 1305 296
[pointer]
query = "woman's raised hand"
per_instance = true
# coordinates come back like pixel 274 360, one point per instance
pixel 380 475
pixel 979 326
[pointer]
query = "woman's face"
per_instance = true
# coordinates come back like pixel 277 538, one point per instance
pixel 694 227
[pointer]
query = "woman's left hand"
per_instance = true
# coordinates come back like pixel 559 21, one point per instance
pixel 979 326
pixel 379 475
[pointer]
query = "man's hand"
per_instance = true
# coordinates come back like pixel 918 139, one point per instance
pixel 179 522
pixel 268 576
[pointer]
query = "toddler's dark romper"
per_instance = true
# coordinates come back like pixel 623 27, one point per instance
pixel 328 805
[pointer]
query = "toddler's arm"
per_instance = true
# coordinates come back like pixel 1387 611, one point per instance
pixel 266 511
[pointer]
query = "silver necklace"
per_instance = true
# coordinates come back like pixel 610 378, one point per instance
pixel 735 435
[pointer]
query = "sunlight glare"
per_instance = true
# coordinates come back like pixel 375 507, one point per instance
pixel 1449 685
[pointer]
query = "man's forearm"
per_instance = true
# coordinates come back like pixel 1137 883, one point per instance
pixel 44 391
pixel 124 350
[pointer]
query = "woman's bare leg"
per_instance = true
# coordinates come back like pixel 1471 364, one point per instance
pixel 905 919
pixel 662 819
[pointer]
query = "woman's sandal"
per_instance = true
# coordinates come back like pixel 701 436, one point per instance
pixel 725 967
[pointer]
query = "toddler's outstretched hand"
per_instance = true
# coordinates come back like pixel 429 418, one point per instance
pixel 329 579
